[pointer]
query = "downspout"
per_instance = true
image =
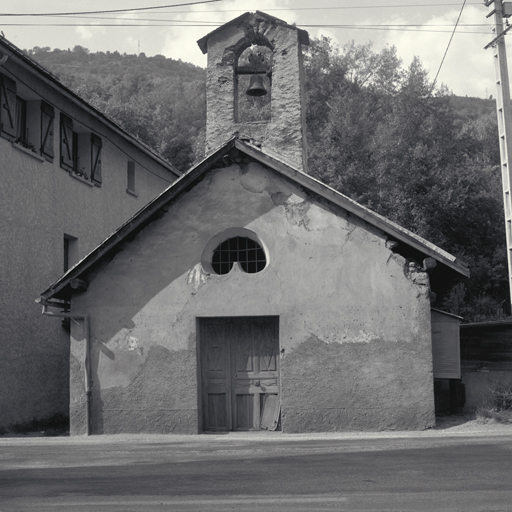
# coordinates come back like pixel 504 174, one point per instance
pixel 87 364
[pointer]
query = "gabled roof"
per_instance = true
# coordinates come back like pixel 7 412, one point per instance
pixel 303 35
pixel 61 287
pixel 11 50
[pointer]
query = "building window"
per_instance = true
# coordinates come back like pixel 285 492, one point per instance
pixel 70 252
pixel 96 147
pixel 130 175
pixel 47 120
pixel 247 252
pixel 7 107
pixel 26 119
pixel 80 151
pixel 67 156
pixel 21 121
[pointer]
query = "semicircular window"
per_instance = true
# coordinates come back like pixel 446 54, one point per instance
pixel 248 253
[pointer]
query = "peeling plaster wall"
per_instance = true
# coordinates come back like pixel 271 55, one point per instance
pixel 285 134
pixel 39 203
pixel 355 337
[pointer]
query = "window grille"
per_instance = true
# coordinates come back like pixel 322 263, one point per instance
pixel 245 251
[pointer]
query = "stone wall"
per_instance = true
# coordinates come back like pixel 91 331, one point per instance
pixel 285 134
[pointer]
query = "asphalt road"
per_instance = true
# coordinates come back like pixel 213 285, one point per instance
pixel 256 473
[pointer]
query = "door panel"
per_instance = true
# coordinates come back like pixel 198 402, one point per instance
pixel 215 376
pixel 240 368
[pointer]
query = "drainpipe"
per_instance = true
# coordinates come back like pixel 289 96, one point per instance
pixel 87 364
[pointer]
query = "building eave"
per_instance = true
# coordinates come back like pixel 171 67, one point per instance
pixel 141 217
pixel 13 51
pixel 394 230
pixel 188 180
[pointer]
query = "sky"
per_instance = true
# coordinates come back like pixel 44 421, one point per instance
pixel 419 28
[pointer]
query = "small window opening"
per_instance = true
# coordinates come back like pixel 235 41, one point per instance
pixel 248 253
pixel 70 251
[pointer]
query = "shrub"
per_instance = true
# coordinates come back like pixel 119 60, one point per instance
pixel 502 396
pixel 501 410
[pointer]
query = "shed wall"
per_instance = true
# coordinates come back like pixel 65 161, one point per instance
pixel 486 354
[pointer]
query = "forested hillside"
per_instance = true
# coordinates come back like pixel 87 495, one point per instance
pixel 377 131
pixel 159 100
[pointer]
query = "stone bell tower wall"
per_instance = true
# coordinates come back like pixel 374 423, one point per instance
pixel 285 133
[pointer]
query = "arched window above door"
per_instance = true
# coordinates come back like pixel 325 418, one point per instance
pixel 235 245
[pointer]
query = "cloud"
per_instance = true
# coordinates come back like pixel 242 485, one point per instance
pixel 181 42
pixel 84 32
pixel 88 32
pixel 467 68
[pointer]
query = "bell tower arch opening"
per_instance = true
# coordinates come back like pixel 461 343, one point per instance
pixel 253 85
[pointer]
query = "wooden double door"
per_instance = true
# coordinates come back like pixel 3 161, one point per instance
pixel 240 373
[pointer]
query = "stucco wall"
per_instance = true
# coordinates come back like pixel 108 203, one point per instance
pixel 354 320
pixel 39 203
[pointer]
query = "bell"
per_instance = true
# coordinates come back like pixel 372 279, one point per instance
pixel 256 87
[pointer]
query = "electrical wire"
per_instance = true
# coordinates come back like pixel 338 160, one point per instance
pixel 195 24
pixel 216 22
pixel 110 11
pixel 391 6
pixel 449 42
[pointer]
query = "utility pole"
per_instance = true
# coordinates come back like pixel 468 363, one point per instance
pixel 500 10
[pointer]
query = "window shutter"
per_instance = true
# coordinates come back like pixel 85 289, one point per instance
pixel 47 118
pixel 96 145
pixel 7 107
pixel 66 142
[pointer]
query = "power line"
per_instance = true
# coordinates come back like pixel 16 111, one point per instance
pixel 391 6
pixel 217 22
pixel 109 11
pixel 333 8
pixel 207 24
pixel 449 42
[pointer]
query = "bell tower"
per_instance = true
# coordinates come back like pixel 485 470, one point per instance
pixel 255 86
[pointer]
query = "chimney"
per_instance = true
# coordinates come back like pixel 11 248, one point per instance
pixel 260 55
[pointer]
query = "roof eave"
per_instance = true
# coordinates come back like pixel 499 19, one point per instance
pixel 14 51
pixel 136 221
pixel 394 230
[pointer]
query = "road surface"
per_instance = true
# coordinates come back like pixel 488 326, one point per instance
pixel 256 473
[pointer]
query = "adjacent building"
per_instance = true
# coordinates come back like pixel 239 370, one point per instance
pixel 70 177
